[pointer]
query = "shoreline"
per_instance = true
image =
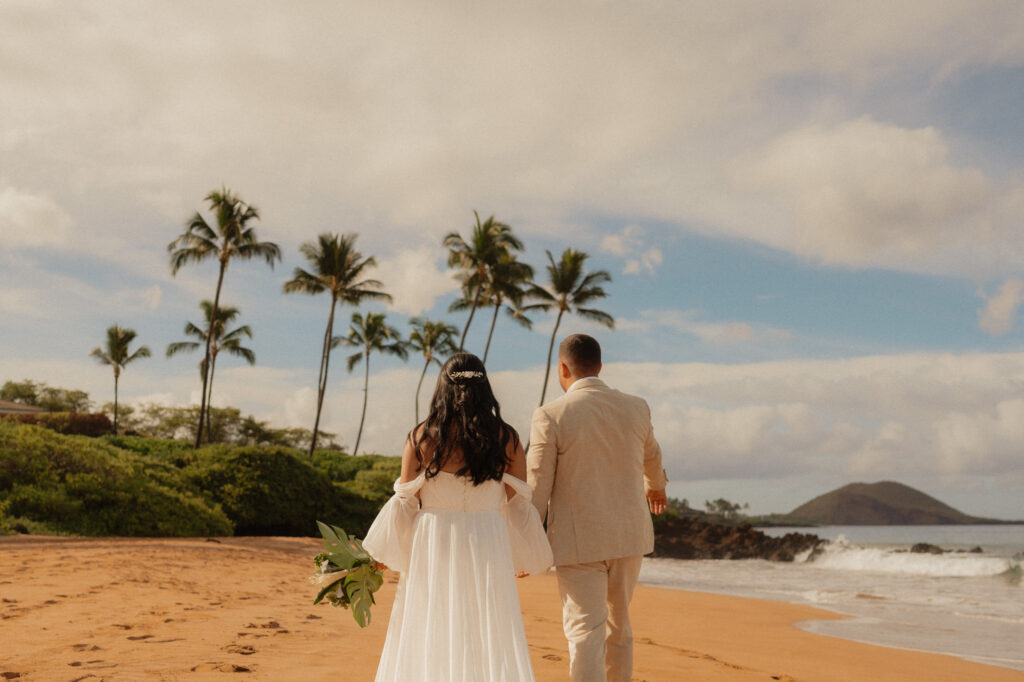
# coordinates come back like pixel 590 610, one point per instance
pixel 91 609
pixel 809 626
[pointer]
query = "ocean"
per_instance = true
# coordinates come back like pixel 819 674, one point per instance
pixel 961 603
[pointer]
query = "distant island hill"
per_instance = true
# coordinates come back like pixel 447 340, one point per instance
pixel 880 504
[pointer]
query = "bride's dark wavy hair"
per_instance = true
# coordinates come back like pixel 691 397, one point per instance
pixel 464 414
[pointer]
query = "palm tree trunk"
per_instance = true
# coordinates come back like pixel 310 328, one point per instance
pixel 472 310
pixel 209 338
pixel 209 398
pixel 321 383
pixel 422 374
pixel 551 347
pixel 115 400
pixel 366 394
pixel 494 320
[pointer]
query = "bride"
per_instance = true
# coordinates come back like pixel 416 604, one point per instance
pixel 459 528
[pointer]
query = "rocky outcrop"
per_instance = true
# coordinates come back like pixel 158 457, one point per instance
pixel 694 538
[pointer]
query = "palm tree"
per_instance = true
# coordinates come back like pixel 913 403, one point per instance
pixel 434 340
pixel 489 242
pixel 571 288
pixel 229 238
pixel 116 354
pixel 230 341
pixel 370 334
pixel 337 268
pixel 508 281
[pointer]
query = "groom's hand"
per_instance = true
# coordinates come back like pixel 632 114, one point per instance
pixel 657 500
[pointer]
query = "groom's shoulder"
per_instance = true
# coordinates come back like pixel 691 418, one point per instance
pixel 628 399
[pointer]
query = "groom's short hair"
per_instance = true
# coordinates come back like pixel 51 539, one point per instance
pixel 582 353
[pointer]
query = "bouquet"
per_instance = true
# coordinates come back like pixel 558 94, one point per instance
pixel 346 574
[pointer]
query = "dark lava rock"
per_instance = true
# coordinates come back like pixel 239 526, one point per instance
pixel 925 548
pixel 694 538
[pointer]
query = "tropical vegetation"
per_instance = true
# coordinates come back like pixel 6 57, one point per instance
pixel 229 237
pixel 67 470
pixel 570 288
pixel 433 340
pixel 370 333
pixel 117 354
pixel 489 243
pixel 223 339
pixel 337 268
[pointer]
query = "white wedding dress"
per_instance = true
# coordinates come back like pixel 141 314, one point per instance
pixel 456 614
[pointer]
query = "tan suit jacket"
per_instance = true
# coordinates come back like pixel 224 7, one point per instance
pixel 592 455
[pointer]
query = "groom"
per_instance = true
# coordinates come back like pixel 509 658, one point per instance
pixel 593 460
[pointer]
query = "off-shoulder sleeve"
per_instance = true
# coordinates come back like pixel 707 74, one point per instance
pixel 390 537
pixel 531 552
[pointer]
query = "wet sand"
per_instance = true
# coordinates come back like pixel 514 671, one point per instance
pixel 195 609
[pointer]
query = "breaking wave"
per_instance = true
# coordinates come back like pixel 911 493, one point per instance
pixel 842 555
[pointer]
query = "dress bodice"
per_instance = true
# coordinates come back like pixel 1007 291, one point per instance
pixel 448 491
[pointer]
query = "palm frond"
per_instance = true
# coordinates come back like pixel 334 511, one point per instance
pixel 303 282
pixel 353 360
pixel 142 352
pixel 102 357
pixel 598 316
pixel 181 347
pixel 235 349
pixel 268 251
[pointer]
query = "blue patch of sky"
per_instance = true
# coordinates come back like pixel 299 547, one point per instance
pixel 829 312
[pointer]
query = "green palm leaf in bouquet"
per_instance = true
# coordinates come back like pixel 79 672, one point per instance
pixel 347 575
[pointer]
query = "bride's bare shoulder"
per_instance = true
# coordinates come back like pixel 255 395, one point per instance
pixel 417 444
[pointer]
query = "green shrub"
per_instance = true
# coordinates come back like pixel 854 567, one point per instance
pixel 176 452
pixel 81 485
pixel 68 423
pixel 276 491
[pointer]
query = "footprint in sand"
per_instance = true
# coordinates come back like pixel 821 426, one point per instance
pixel 92 664
pixel 220 667
pixel 122 627
pixel 551 657
pixel 138 637
pixel 10 675
pixel 243 649
pixel 86 647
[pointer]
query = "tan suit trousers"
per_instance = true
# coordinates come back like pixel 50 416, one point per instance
pixel 595 617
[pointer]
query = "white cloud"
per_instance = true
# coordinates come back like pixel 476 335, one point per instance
pixel 689 323
pixel 414 280
pixel 33 220
pixel 998 315
pixel 151 296
pixel 22 303
pixel 648 261
pixel 629 243
pixel 942 420
pixel 865 193
pixel 385 113
pixel 624 242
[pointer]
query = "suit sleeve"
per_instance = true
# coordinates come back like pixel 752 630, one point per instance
pixel 541 460
pixel 654 471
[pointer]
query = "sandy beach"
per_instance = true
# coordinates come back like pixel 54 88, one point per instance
pixel 169 609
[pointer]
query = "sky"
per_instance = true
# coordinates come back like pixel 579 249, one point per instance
pixel 811 214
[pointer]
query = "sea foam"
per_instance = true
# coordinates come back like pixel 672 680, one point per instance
pixel 842 555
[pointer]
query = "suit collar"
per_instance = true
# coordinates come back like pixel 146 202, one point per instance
pixel 586 382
